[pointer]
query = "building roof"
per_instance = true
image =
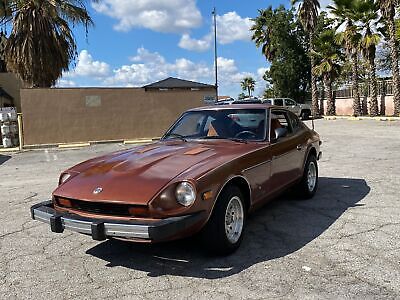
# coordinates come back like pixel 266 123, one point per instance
pixel 172 82
pixel 4 94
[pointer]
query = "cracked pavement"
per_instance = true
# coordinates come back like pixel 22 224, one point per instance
pixel 344 243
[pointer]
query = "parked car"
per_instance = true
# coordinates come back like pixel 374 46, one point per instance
pixel 301 110
pixel 205 175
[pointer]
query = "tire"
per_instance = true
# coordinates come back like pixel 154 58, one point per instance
pixel 305 115
pixel 308 185
pixel 218 237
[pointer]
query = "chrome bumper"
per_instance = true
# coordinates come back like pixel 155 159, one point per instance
pixel 100 229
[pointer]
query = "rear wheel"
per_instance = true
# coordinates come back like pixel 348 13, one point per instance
pixel 224 231
pixel 309 182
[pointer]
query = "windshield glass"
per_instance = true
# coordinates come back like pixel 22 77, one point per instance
pixel 240 124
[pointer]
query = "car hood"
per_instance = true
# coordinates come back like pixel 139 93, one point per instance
pixel 135 176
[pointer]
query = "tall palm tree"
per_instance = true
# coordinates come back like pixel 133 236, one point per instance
pixel 308 15
pixel 41 44
pixel 350 39
pixel 248 84
pixel 262 33
pixel 328 56
pixel 388 12
pixel 367 12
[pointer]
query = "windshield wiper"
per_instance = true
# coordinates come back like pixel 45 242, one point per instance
pixel 177 135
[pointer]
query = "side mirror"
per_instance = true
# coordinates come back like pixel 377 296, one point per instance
pixel 280 132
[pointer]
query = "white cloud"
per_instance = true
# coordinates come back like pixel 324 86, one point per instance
pixel 144 55
pixel 232 27
pixel 148 67
pixel 158 15
pixel 191 44
pixel 88 67
pixel 65 83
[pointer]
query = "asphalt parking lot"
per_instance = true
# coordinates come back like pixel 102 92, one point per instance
pixel 344 243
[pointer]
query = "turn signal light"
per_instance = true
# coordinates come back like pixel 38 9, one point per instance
pixel 207 195
pixel 138 211
pixel 64 202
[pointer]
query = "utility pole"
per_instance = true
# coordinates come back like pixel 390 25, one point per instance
pixel 215 54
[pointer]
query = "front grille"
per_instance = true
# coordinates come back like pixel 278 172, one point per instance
pixel 102 208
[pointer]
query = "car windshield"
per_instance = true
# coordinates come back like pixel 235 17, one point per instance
pixel 233 124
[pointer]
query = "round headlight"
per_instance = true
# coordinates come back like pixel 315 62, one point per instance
pixel 63 178
pixel 185 194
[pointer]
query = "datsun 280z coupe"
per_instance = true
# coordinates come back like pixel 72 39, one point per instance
pixel 211 168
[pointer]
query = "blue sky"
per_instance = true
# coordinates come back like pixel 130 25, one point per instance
pixel 135 42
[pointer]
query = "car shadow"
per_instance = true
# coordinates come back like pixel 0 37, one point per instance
pixel 281 227
pixel 4 158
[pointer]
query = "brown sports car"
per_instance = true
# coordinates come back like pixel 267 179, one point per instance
pixel 210 169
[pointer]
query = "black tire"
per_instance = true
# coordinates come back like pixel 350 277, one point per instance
pixel 214 235
pixel 304 189
pixel 305 115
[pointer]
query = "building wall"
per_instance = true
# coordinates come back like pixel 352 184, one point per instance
pixel 344 106
pixel 67 115
pixel 12 85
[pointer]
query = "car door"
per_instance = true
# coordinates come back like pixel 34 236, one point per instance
pixel 284 151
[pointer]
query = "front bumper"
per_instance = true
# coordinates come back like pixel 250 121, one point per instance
pixel 100 229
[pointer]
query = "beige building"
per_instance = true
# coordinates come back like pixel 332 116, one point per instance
pixel 67 115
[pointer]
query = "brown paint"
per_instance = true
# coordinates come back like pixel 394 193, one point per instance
pixel 149 178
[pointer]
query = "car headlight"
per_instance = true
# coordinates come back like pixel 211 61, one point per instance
pixel 185 193
pixel 63 178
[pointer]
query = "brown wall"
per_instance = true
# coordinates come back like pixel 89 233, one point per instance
pixel 70 115
pixel 12 85
pixel 344 106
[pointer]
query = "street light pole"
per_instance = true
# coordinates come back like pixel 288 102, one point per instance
pixel 215 53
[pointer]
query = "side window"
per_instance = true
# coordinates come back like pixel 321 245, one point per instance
pixel 294 121
pixel 290 102
pixel 278 102
pixel 280 119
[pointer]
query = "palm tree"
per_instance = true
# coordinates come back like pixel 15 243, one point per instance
pixel 388 12
pixel 367 10
pixel 308 15
pixel 41 44
pixel 350 39
pixel 248 84
pixel 262 33
pixel 328 67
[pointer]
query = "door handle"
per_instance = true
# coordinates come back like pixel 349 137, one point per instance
pixel 299 147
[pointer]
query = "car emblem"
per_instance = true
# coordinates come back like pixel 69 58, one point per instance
pixel 97 190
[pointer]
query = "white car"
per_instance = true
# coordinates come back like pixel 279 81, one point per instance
pixel 301 110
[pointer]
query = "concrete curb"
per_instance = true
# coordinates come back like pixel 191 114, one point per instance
pixel 73 145
pixel 381 118
pixel 8 150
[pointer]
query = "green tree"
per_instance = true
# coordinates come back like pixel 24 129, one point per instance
pixel 350 39
pixel 367 15
pixel 284 44
pixel 248 84
pixel 41 44
pixel 388 12
pixel 328 59
pixel 308 15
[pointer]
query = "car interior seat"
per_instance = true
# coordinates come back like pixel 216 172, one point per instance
pixel 275 124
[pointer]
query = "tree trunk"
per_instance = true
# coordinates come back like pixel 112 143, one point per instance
pixel 356 90
pixel 373 102
pixel 314 91
pixel 321 101
pixel 395 67
pixel 331 105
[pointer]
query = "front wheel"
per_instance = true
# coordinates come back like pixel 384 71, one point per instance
pixel 305 115
pixel 309 182
pixel 224 231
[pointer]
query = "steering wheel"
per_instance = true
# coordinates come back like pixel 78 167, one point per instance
pixel 245 132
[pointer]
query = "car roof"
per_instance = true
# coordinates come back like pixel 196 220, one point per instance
pixel 236 106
